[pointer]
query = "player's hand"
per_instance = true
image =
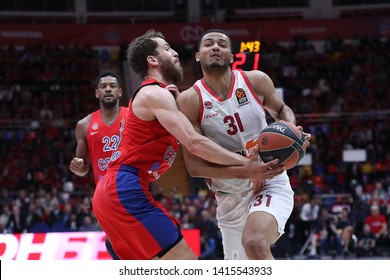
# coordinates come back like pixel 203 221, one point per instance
pixel 173 89
pixel 78 167
pixel 307 138
pixel 263 171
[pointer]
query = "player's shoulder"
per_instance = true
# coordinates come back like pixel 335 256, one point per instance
pixel 153 96
pixel 150 91
pixel 189 91
pixel 259 80
pixel 86 119
pixel 188 94
pixel 255 74
pixel 84 122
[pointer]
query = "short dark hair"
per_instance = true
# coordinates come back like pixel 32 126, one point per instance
pixel 140 48
pixel 217 31
pixel 107 74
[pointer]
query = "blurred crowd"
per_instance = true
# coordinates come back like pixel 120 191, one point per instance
pixel 339 91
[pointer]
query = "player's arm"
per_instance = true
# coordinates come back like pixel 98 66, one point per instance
pixel 155 102
pixel 265 90
pixel 188 103
pixel 80 163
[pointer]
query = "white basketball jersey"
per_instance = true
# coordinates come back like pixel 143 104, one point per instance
pixel 234 123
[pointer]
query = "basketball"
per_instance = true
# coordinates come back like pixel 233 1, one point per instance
pixel 282 140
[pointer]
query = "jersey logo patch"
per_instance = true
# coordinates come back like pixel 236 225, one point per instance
pixel 170 155
pixel 95 126
pixel 94 132
pixel 208 105
pixel 241 96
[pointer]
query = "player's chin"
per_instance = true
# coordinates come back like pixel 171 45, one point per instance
pixel 108 99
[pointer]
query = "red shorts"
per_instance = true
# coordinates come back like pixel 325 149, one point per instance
pixel 138 227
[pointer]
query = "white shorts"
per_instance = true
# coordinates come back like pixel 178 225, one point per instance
pixel 276 198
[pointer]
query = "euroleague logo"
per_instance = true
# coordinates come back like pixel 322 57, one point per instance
pixel 241 96
pixel 264 141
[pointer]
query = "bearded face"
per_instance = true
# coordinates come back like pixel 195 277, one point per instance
pixel 108 92
pixel 171 71
pixel 108 104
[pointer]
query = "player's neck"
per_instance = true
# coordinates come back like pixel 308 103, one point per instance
pixel 219 83
pixel 109 115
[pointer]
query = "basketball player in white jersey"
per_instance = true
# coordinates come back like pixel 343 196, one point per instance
pixel 229 106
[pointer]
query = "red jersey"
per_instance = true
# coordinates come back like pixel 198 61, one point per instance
pixel 145 145
pixel 375 223
pixel 102 140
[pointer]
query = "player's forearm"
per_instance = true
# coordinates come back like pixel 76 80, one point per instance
pixel 286 114
pixel 204 169
pixel 212 152
pixel 220 172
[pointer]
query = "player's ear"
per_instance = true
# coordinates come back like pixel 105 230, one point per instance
pixel 151 60
pixel 96 93
pixel 231 58
pixel 197 57
pixel 120 92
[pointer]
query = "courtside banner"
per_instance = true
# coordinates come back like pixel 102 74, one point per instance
pixel 67 245
pixel 199 270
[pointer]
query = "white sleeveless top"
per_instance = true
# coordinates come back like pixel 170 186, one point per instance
pixel 234 123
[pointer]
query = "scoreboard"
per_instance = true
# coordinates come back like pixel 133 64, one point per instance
pixel 246 55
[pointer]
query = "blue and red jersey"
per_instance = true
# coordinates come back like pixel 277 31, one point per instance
pixel 103 140
pixel 145 145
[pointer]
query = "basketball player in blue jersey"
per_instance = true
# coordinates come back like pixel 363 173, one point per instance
pixel 229 106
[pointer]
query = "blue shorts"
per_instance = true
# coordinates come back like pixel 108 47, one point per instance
pixel 138 226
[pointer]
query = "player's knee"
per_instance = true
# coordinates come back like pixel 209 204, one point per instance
pixel 255 243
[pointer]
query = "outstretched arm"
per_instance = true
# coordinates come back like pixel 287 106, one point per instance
pixel 253 169
pixel 155 102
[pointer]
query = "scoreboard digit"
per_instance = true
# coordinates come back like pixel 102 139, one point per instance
pixel 246 55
